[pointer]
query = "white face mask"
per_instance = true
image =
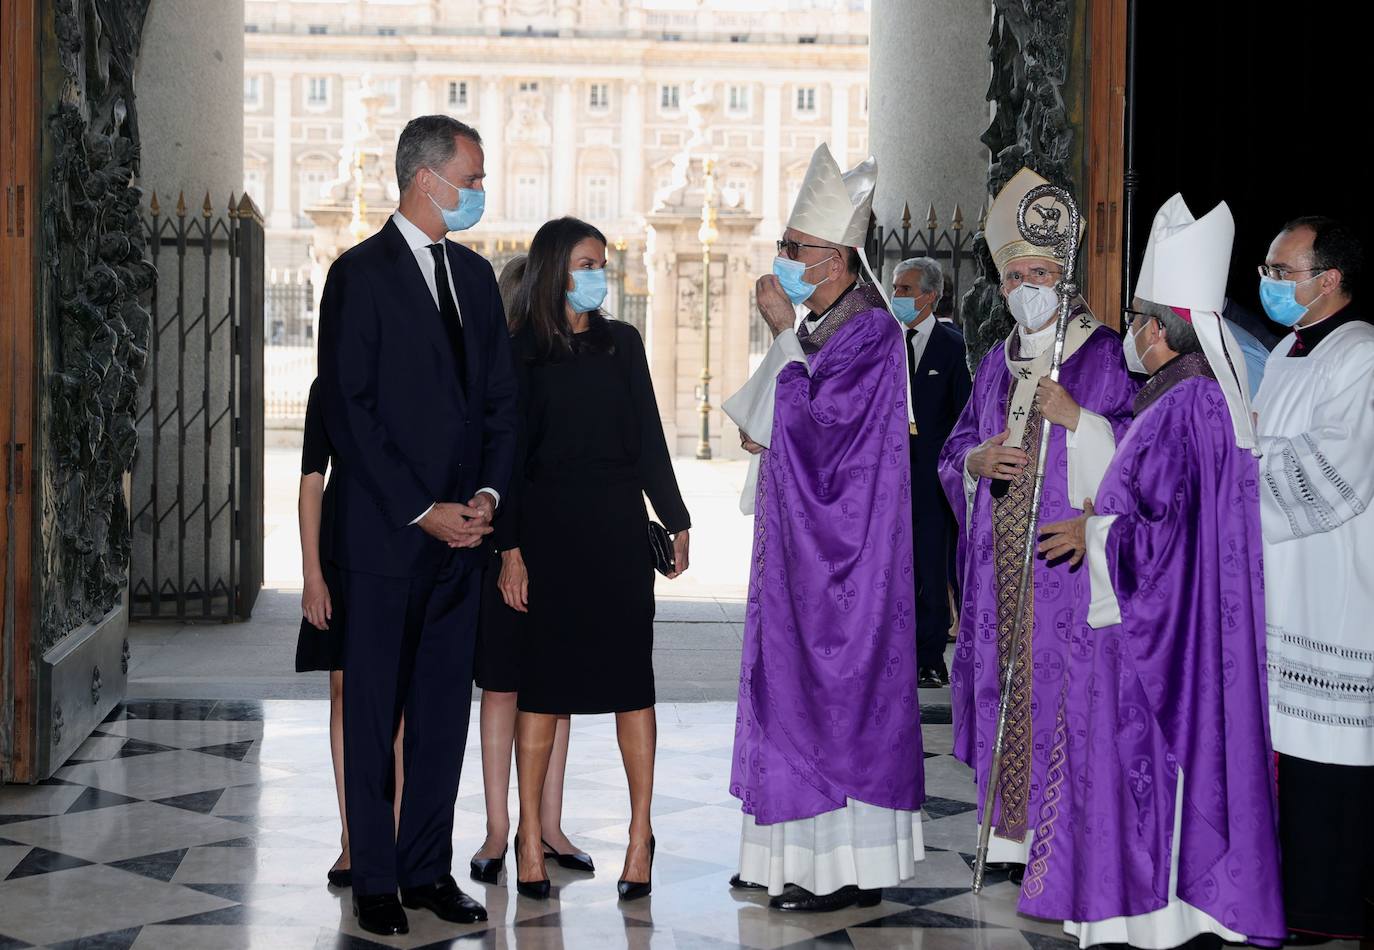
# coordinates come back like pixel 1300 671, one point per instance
pixel 1135 360
pixel 1032 305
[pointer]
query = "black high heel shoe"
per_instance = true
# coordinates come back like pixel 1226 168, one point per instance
pixel 573 860
pixel 535 890
pixel 634 890
pixel 487 870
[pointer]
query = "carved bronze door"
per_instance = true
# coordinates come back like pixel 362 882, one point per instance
pixel 18 178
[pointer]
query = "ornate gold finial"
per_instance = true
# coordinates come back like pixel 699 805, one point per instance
pixel 932 222
pixel 181 204
pixel 207 209
pixel 958 223
pixel 154 207
pixel 906 215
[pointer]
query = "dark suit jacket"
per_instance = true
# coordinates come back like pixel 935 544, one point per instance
pixel 940 387
pixel 404 435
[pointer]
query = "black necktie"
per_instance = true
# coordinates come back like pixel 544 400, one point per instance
pixel 448 309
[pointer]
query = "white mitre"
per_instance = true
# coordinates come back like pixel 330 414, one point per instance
pixel 1000 229
pixel 1186 263
pixel 832 205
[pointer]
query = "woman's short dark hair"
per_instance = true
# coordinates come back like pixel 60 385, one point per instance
pixel 1334 245
pixel 538 307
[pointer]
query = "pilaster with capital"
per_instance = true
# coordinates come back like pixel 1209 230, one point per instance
pixel 564 157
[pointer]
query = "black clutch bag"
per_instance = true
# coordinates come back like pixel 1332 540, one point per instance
pixel 661 548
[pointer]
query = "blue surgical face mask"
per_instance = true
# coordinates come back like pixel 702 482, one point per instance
pixel 789 274
pixel 467 212
pixel 589 290
pixel 904 309
pixel 1280 299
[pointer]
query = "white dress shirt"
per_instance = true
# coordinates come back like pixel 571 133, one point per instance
pixel 919 340
pixel 419 243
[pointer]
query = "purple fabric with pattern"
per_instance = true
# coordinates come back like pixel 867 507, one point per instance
pixel 827 700
pixel 1097 379
pixel 1180 682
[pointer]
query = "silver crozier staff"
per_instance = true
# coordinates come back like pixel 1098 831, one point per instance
pixel 1047 233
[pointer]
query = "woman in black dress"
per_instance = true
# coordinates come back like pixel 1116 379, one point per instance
pixel 575 547
pixel 320 643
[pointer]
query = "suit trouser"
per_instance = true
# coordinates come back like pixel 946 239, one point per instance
pixel 932 590
pixel 408 647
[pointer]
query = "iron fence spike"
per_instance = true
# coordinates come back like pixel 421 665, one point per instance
pixel 207 209
pixel 932 222
pixel 154 207
pixel 958 223
pixel 181 204
pixel 906 215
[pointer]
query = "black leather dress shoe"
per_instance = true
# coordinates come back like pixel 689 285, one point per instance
pixel 445 901
pixel 340 877
pixel 573 860
pixel 487 870
pixel 932 677
pixel 1015 872
pixel 634 890
pixel 800 900
pixel 380 914
pixel 738 883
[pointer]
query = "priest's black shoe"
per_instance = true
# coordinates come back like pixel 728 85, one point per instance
pixel 932 677
pixel 573 860
pixel 800 900
pixel 445 901
pixel 634 890
pixel 340 878
pixel 486 870
pixel 738 883
pixel 380 914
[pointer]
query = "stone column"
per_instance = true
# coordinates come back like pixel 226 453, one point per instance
pixel 492 129
pixel 926 107
pixel 280 212
pixel 564 193
pixel 839 123
pixel 422 98
pixel 632 149
pixel 491 17
pixel 772 148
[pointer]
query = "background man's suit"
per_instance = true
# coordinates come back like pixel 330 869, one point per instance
pixel 407 435
pixel 940 387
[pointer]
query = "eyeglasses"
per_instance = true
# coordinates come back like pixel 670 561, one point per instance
pixel 789 249
pixel 1129 316
pixel 1036 275
pixel 1279 272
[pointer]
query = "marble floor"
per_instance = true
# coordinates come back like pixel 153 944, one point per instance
pixel 210 824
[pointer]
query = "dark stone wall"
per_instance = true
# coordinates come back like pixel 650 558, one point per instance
pixel 93 324
pixel 1031 127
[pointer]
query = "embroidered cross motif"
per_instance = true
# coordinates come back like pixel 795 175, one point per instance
pixel 1024 372
pixel 1018 414
pixel 1084 323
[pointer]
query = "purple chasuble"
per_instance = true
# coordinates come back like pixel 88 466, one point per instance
pixel 1179 683
pixel 988 562
pixel 827 699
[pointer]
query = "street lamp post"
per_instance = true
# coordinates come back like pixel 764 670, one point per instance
pixel 707 235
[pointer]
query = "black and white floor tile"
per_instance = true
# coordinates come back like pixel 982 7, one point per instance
pixel 210 824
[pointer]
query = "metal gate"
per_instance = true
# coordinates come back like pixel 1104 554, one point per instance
pixel 197 479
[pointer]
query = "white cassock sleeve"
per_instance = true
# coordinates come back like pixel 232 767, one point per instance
pixel 1091 447
pixel 1318 480
pixel 752 407
pixel 1103 609
pixel 970 493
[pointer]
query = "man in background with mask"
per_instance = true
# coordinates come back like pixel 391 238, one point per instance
pixel 988 471
pixel 828 759
pixel 419 402
pixel 1315 413
pixel 939 389
pixel 1160 822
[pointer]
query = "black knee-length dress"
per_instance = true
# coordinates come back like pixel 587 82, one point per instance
pixel 320 649
pixel 591 448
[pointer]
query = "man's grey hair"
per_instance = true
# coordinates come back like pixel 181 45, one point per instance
pixel 1179 334
pixel 427 141
pixel 931 275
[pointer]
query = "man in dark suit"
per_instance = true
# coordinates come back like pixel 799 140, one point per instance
pixel 419 402
pixel 940 386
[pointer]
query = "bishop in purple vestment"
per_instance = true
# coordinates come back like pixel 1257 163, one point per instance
pixel 987 469
pixel 1158 821
pixel 828 758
